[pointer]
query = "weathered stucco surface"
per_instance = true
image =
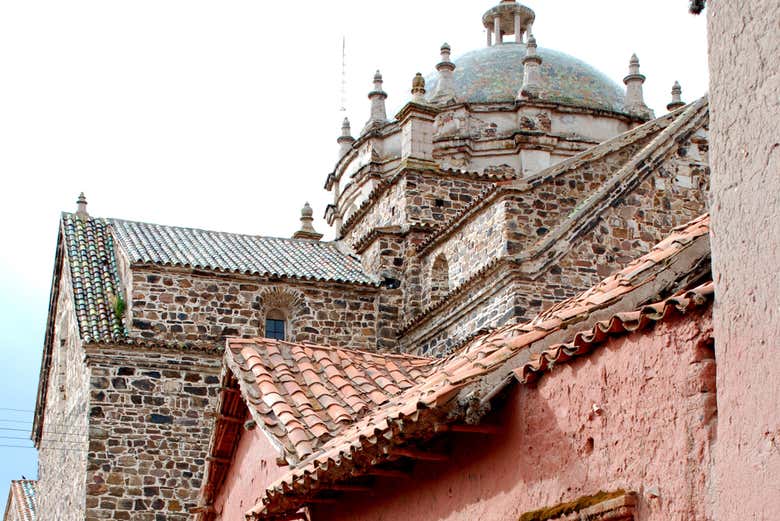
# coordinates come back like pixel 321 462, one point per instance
pixel 651 433
pixel 254 467
pixel 745 96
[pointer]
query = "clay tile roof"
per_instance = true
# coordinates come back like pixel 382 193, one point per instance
pixel 22 497
pixel 445 389
pixel 231 252
pixel 306 394
pixel 89 247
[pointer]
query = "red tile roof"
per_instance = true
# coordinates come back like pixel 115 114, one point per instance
pixel 411 401
pixel 306 394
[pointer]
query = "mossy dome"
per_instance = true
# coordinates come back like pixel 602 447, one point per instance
pixel 495 74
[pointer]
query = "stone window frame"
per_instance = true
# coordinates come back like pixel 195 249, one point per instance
pixel 287 303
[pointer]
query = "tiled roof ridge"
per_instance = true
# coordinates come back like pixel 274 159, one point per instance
pixel 522 185
pixel 377 433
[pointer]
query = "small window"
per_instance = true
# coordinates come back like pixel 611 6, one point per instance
pixel 440 284
pixel 275 325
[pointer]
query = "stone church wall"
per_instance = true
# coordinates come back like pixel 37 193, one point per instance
pixel 436 198
pixel 62 449
pixel 623 232
pixel 488 303
pixel 202 308
pixel 388 210
pixel 471 248
pixel 151 413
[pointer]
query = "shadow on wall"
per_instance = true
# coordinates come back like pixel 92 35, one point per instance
pixel 481 468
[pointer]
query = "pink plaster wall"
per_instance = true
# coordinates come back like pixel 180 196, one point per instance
pixel 656 395
pixel 744 43
pixel 254 467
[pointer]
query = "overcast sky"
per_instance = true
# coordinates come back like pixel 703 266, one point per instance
pixel 224 115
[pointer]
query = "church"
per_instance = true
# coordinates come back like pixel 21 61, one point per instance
pixel 514 320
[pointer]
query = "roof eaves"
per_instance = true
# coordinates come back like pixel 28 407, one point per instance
pixel 372 442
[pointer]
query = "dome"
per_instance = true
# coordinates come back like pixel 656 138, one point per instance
pixel 495 74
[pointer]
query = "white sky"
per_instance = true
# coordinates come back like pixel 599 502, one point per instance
pixel 224 115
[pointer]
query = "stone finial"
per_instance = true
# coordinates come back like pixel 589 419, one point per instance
pixel 635 100
pixel 418 88
pixel 345 140
pixel 445 90
pixel 532 78
pixel 677 101
pixel 377 97
pixel 81 206
pixel 307 230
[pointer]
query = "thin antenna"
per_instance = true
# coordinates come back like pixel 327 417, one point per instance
pixel 343 74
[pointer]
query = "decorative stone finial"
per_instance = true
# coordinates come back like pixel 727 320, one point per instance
pixel 532 79
pixel 635 100
pixel 445 90
pixel 345 140
pixel 377 97
pixel 418 88
pixel 677 101
pixel 81 206
pixel 307 230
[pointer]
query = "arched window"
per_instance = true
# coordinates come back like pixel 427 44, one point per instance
pixel 440 278
pixel 276 325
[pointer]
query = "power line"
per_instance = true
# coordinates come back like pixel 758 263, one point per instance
pixel 15 410
pixel 64 449
pixel 46 432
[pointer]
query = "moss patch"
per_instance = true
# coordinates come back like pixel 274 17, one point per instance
pixel 563 509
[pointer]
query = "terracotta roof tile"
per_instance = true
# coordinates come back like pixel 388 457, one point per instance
pixel 23 498
pixel 439 388
pixel 303 392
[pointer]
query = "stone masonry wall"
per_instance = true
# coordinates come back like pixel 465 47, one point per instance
pixel 388 210
pixel 487 304
pixel 472 247
pixel 62 450
pixel 681 183
pixel 151 416
pixel 432 199
pixel 623 232
pixel 203 308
